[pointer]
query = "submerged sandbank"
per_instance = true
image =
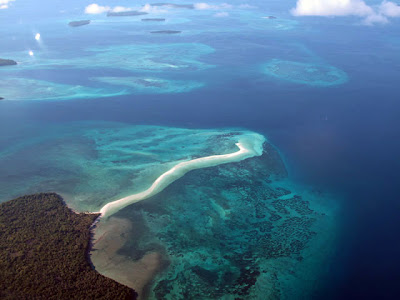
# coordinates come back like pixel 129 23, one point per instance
pixel 110 237
pixel 237 230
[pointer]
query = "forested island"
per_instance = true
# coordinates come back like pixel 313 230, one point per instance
pixel 166 31
pixel 7 62
pixel 174 5
pixel 44 252
pixel 79 23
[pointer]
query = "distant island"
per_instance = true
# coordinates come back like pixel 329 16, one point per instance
pixel 166 31
pixel 44 250
pixel 1 98
pixel 153 19
pixel 7 62
pixel 79 23
pixel 270 17
pixel 173 5
pixel 126 13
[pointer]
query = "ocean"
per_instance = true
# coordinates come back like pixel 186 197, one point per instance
pixel 323 91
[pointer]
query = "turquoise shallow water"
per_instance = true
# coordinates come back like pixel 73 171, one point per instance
pixel 238 230
pixel 305 73
pixel 106 108
pixel 92 163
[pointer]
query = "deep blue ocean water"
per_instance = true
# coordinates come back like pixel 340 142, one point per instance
pixel 342 138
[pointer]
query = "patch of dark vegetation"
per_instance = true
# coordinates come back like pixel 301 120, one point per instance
pixel 44 253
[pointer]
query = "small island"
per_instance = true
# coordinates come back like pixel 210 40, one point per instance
pixel 7 62
pixel 1 98
pixel 79 23
pixel 166 31
pixel 153 20
pixel 126 13
pixel 44 250
pixel 174 5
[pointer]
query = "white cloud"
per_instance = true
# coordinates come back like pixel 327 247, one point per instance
pixel 331 8
pixel 202 6
pixel 120 9
pixel 375 19
pixel 221 14
pixel 206 6
pixel 389 9
pixel 4 4
pixel 147 8
pixel 94 9
pixel 372 14
pixel 246 6
pixel 152 9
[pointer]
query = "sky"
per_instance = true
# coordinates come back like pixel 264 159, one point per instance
pixel 368 12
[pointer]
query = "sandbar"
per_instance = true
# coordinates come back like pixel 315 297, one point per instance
pixel 248 147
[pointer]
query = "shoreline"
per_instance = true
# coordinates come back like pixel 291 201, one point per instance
pixel 248 146
pixel 106 259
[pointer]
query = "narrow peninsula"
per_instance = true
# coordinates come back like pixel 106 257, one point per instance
pixel 44 250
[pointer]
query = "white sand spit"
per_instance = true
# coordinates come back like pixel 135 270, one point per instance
pixel 249 145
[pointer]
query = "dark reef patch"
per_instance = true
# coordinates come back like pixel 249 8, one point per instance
pixel 223 227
